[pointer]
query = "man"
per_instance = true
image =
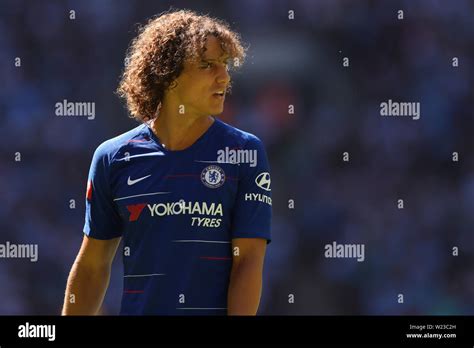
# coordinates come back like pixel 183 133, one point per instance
pixel 189 195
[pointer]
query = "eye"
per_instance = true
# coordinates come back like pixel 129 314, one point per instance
pixel 206 65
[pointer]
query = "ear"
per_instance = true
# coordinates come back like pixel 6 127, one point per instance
pixel 173 84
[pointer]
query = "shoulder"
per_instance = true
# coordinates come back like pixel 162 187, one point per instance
pixel 235 136
pixel 109 149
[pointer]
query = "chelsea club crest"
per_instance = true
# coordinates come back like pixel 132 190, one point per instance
pixel 213 176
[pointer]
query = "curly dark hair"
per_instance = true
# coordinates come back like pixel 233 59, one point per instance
pixel 157 55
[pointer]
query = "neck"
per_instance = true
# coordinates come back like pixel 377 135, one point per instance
pixel 178 131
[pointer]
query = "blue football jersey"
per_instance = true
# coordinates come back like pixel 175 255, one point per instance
pixel 177 213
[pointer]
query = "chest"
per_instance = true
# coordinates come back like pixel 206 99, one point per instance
pixel 175 188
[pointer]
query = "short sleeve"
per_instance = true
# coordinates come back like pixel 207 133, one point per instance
pixel 102 220
pixel 252 212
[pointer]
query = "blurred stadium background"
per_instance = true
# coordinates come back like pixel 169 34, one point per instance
pixel 290 62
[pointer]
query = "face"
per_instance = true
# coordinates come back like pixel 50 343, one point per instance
pixel 202 84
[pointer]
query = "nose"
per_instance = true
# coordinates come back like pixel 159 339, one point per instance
pixel 223 76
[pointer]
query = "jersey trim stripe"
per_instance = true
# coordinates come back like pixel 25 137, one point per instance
pixel 141 155
pixel 143 194
pixel 143 275
pixel 199 241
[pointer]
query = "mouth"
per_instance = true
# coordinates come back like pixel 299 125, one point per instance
pixel 219 94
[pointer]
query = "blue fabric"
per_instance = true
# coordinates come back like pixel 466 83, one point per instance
pixel 177 212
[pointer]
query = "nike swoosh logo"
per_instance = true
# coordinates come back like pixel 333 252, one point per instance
pixel 132 182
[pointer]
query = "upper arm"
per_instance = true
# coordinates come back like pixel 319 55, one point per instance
pixel 252 249
pixel 102 220
pixel 252 212
pixel 96 252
